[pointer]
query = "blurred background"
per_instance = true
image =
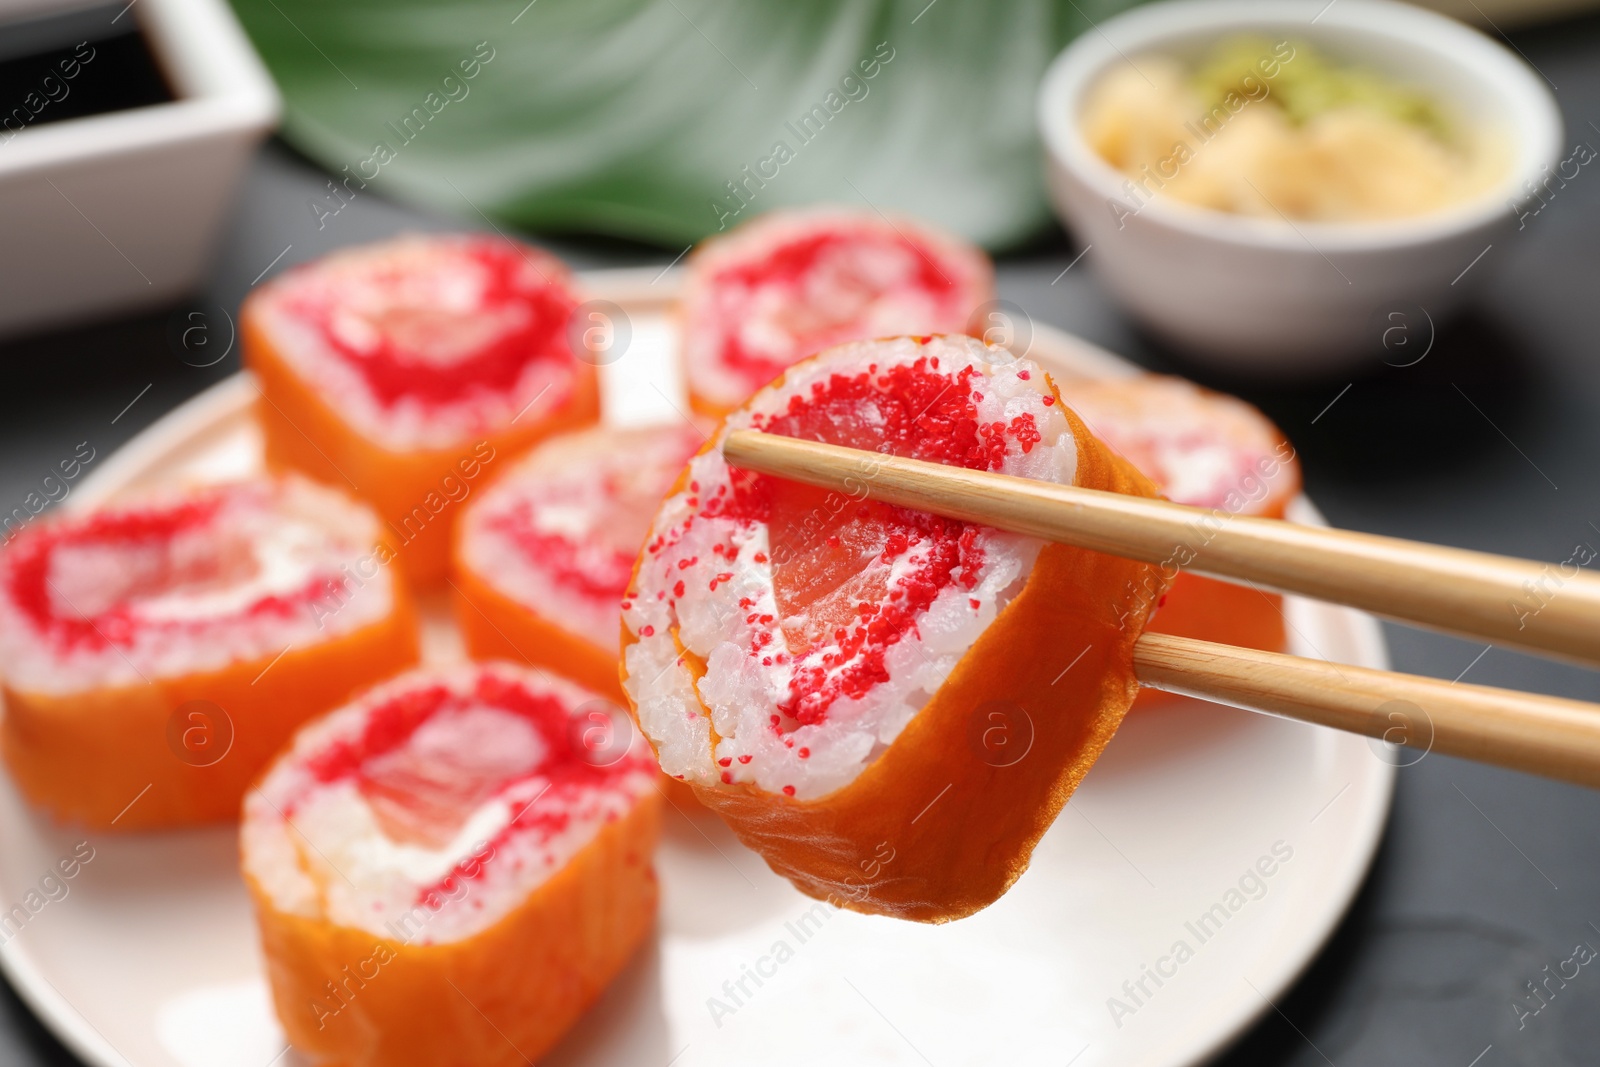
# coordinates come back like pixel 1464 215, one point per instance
pixel 619 132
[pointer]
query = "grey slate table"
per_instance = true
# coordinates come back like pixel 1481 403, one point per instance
pixel 1491 442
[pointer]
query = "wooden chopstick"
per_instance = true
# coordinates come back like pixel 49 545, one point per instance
pixel 1541 735
pixel 1536 607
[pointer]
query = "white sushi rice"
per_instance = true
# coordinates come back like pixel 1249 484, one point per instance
pixel 867 284
pixel 318 849
pixel 410 274
pixel 268 539
pixel 597 490
pixel 741 693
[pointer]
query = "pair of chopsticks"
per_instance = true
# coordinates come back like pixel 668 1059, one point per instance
pixel 1518 603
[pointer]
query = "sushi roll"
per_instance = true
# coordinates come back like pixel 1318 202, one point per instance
pixel 156 654
pixel 407 372
pixel 888 706
pixel 790 283
pixel 450 869
pixel 543 557
pixel 1206 450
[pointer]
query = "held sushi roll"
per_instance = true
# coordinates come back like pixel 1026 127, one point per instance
pixel 406 371
pixel 889 706
pixel 157 654
pixel 1206 450
pixel 544 556
pixel 791 283
pixel 450 869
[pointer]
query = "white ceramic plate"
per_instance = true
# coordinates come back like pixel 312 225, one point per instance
pixel 151 958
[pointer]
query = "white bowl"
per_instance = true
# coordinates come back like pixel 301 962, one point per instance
pixel 121 210
pixel 1297 299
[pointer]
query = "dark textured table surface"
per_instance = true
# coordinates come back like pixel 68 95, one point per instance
pixel 1490 442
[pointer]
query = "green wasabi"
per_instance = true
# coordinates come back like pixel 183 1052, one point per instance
pixel 1309 84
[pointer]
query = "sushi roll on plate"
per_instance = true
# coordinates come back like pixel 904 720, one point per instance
pixel 1206 450
pixel 450 869
pixel 157 653
pixel 790 283
pixel 543 557
pixel 843 680
pixel 407 372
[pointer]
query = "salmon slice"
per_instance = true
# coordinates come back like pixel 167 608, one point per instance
pixel 824 670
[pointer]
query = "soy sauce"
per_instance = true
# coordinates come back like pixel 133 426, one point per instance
pixel 87 62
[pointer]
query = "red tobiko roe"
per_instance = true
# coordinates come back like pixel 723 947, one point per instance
pixel 820 550
pixel 134 531
pixel 392 371
pixel 794 261
pixel 582 568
